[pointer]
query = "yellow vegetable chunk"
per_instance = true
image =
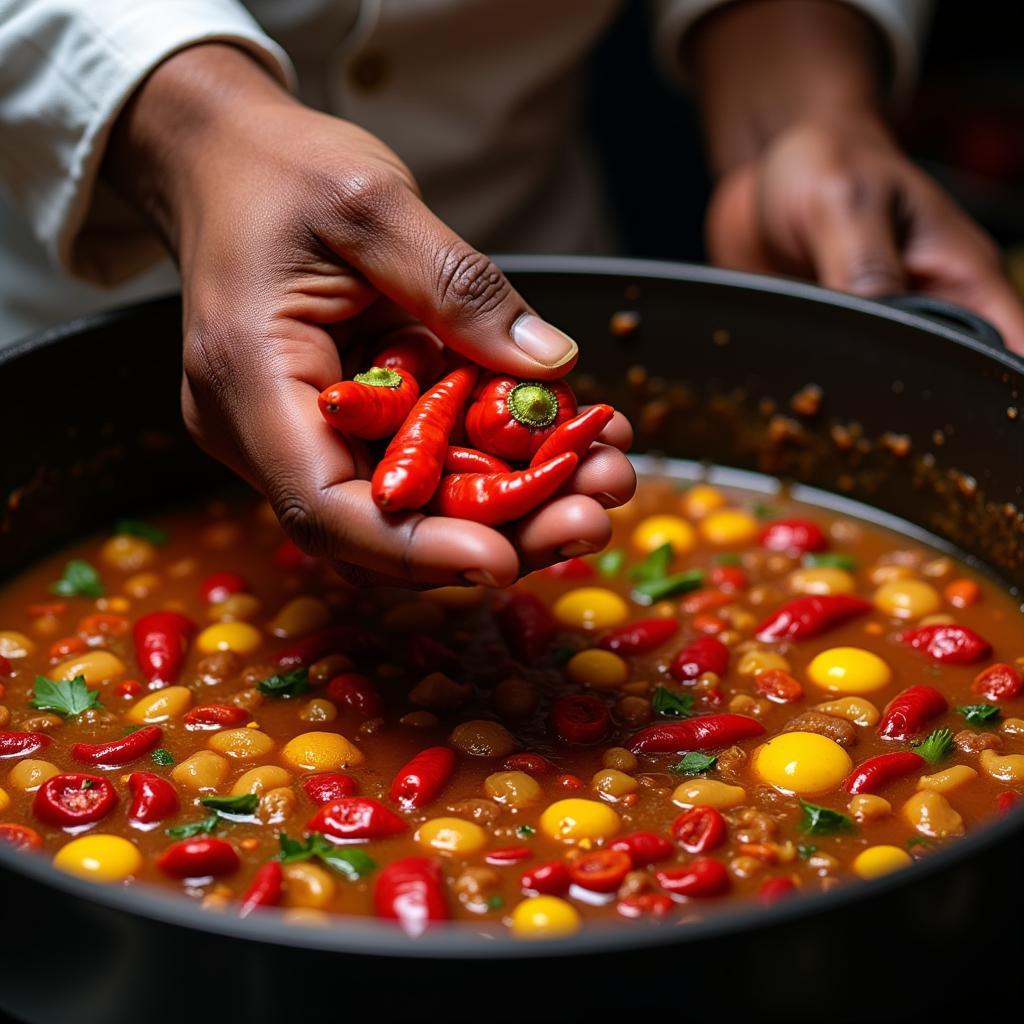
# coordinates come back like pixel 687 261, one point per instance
pixel 99 857
pixel 701 500
pixel 28 775
pixel 849 670
pixel 5 800
pixel 822 580
pixel 708 793
pixel 203 772
pixel 573 820
pixel 451 835
pixel 545 917
pixel 239 637
pixel 948 779
pixel 591 608
pixel 320 751
pixel 603 670
pixel 729 527
pixel 855 710
pixel 96 666
pixel 876 861
pixel 160 705
pixel 907 598
pixel 516 789
pixel 14 645
pixel 933 815
pixel 241 744
pixel 260 780
pixel 801 762
pixel 655 531
pixel 300 616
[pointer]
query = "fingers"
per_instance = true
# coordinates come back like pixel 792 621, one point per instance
pixel 999 303
pixel 566 528
pixel 618 433
pixel 606 475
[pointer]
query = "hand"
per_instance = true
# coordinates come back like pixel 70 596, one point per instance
pixel 841 203
pixel 299 236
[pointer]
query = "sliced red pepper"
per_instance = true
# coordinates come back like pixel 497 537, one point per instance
pixel 728 578
pixel 129 689
pixel 600 870
pixel 326 787
pixel 354 690
pixel 703 733
pixel 198 858
pixel 703 877
pixel 161 643
pixel 575 435
pixel 1005 801
pixel 527 625
pixel 468 460
pixel 811 615
pixel 873 774
pixel 570 782
pixel 570 569
pixel 118 753
pixel 153 798
pixel 699 829
pixel 640 637
pixel 21 744
pixel 778 685
pixel 907 713
pixel 411 892
pixel 793 536
pixel 20 837
pixel 998 682
pixel 356 817
pixel 774 890
pixel 66 647
pixel 532 764
pixel 264 890
pixel 551 878
pixel 372 405
pixel 705 654
pixel 101 626
pixel 700 602
pixel 215 716
pixel 219 586
pixel 645 904
pixel 423 778
pixel 73 799
pixel 952 645
pixel 343 639
pixel 508 855
pixel 643 848
pixel 580 719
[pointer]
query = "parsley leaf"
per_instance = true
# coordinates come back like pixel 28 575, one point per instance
pixel 655 566
pixel 978 713
pixel 350 861
pixel 670 704
pixel 162 756
pixel 765 511
pixel 138 528
pixel 823 821
pixel 244 803
pixel 291 684
pixel 830 560
pixel 65 696
pixel 936 746
pixel 806 850
pixel 495 903
pixel 205 826
pixel 525 831
pixel 80 579
pixel 919 841
pixel 694 763
pixel 727 559
pixel 651 591
pixel 609 565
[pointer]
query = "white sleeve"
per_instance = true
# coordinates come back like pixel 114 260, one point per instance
pixel 67 67
pixel 901 24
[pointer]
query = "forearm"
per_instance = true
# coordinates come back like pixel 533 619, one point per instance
pixel 761 66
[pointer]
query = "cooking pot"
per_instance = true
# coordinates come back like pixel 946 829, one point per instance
pixel 916 416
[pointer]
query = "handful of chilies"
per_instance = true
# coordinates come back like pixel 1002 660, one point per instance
pixel 526 437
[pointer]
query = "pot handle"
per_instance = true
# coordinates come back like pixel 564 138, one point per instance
pixel 949 314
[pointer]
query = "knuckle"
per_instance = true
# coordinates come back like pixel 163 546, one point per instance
pixel 368 201
pixel 207 360
pixel 469 284
pixel 872 272
pixel 303 524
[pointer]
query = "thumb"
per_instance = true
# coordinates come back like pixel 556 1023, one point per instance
pixel 412 257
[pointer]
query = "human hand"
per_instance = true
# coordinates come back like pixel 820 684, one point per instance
pixel 301 237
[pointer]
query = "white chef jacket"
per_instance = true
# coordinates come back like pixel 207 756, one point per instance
pixel 478 97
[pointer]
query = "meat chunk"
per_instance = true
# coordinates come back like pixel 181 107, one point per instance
pixel 837 729
pixel 971 742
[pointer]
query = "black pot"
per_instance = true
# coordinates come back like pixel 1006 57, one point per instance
pixel 92 412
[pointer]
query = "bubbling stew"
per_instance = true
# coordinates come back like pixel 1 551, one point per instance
pixel 734 702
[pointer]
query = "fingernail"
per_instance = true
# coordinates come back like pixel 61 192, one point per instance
pixel 542 341
pixel 480 577
pixel 577 548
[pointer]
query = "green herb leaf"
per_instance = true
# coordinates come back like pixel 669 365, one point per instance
pixel 610 564
pixel 727 559
pixel 80 579
pixel 919 841
pixel 672 705
pixel 291 684
pixel 495 903
pixel 806 850
pixel 980 714
pixel 658 590
pixel 823 821
pixel 561 653
pixel 765 511
pixel 655 566
pixel 694 763
pixel 138 528
pixel 162 756
pixel 244 803
pixel 830 560
pixel 936 746
pixel 350 861
pixel 65 696
pixel 205 826
pixel 525 831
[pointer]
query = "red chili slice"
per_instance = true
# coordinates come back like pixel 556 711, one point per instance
pixel 21 744
pixel 215 716
pixel 793 536
pixel 356 817
pixel 73 799
pixel 508 855
pixel 643 848
pixel 329 786
pixel 705 654
pixel 198 858
pixel 580 719
pixel 775 889
pixel 600 870
pixel 153 798
pixel 551 878
pixel 701 877
pixel 532 764
pixel 778 685
pixel 640 637
pixel 645 904
pixel 874 773
pixel 21 837
pixel 729 578
pixel 999 682
pixel 118 753
pixel 264 890
pixel 953 645
pixel 907 713
pixel 1005 802
pixel 221 585
pixel 354 690
pixel 570 569
pixel 699 829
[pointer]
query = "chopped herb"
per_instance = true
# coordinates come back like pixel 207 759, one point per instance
pixel 244 803
pixel 495 903
pixel 291 684
pixel 88 784
pixel 525 831
pixel 830 560
pixel 727 559
pixel 671 586
pixel 980 714
pixel 80 579
pixel 204 826
pixel 162 756
pixel 349 861
pixel 129 729
pixel 694 763
pixel 806 850
pixel 823 821
pixel 765 511
pixel 65 696
pixel 137 528
pixel 655 566
pixel 672 705
pixel 919 841
pixel 936 746
pixel 609 565
pixel 561 653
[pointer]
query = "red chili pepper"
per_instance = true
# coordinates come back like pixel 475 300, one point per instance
pixel 67 646
pixel 469 460
pixel 508 855
pixel 5 667
pixel 129 689
pixel 600 870
pixel 411 892
pixel 701 733
pixel 290 557
pixel 326 787
pixel 955 645
pixel 709 624
pixel 701 877
pixel 570 782
pixel 532 764
pixel 20 837
pixel 496 498
pixel 580 719
pixel 873 774
pixel 699 829
pixel 354 690
pixel 705 654
pixel 219 586
pixel 778 685
pixel 153 798
pixel 343 639
pixel 409 472
pixel 512 418
pixel 570 569
pixel 430 655
pixel 100 626
pixel 372 405
pixel 72 799
pixel 811 615
pixel 998 682
pixel 215 716
pixel 707 600
pixel 198 858
pixel 640 637
pixel 423 778
pixel 161 642
pixel 644 904
pixel 909 710
pixel 643 847
pixel 527 625
pixel 793 536
pixel 264 890
pixel 119 752
pixel 356 817
pixel 550 878
pixel 1005 801
pixel 773 890
pixel 21 744
pixel 575 435
pixel 728 578
pixel 420 355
